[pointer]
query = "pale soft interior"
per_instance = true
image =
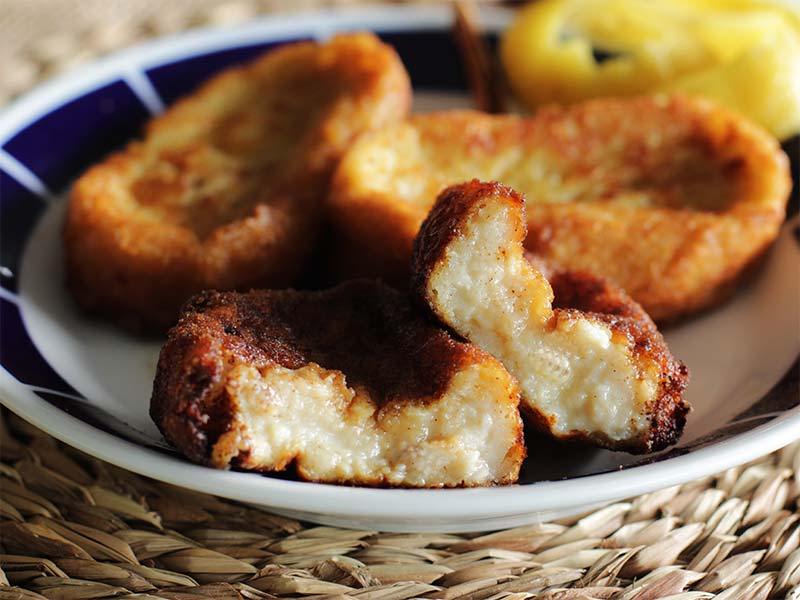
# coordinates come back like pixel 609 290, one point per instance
pixel 576 374
pixel 336 433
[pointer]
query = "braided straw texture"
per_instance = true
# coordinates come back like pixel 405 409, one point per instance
pixel 42 38
pixel 73 527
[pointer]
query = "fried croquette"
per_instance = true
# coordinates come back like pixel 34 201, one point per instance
pixel 597 371
pixel 225 189
pixel 672 198
pixel 350 385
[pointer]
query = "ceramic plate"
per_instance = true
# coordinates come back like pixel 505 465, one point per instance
pixel 89 384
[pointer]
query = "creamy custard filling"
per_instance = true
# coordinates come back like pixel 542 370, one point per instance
pixel 337 433
pixel 570 367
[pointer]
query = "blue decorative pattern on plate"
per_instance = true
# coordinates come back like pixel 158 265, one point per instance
pixel 89 384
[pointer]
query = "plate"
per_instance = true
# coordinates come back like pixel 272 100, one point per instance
pixel 89 384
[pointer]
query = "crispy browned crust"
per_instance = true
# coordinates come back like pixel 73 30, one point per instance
pixel 575 294
pixel 445 223
pixel 716 188
pixel 364 329
pixel 225 190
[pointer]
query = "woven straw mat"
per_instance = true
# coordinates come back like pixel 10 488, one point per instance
pixel 73 527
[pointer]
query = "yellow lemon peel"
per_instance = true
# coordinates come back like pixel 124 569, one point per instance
pixel 744 54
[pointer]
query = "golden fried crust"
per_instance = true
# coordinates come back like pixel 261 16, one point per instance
pixel 672 198
pixel 361 331
pixel 575 296
pixel 225 189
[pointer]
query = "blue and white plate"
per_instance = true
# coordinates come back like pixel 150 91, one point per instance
pixel 89 384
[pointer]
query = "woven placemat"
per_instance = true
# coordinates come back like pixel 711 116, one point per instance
pixel 73 527
pixel 42 38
